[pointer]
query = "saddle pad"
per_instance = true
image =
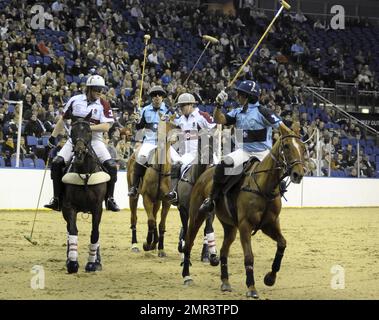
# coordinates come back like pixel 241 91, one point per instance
pixel 78 179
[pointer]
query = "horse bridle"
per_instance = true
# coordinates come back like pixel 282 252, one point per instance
pixel 281 164
pixel 88 147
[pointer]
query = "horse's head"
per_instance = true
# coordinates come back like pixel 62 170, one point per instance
pixel 81 136
pixel 292 151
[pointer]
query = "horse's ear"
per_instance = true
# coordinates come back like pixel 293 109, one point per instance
pixel 88 116
pixel 68 113
pixel 172 117
pixel 296 128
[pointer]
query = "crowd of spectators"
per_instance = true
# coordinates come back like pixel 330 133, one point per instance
pixel 89 38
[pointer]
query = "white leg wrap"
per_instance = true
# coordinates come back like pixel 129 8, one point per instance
pixel 73 248
pixel 211 242
pixel 92 252
pixel 205 241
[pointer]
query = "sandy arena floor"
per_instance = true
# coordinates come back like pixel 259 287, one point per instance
pixel 317 239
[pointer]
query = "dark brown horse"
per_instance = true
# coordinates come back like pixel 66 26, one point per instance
pixel 153 188
pixel 258 204
pixel 184 189
pixel 87 197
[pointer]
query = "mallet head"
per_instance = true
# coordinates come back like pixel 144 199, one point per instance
pixel 147 37
pixel 34 243
pixel 210 39
pixel 285 5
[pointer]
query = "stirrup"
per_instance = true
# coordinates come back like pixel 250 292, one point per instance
pixel 54 204
pixel 111 204
pixel 207 206
pixel 172 197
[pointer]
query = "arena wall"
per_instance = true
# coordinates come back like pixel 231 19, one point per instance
pixel 19 189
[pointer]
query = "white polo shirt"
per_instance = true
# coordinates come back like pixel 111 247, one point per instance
pixel 191 125
pixel 101 111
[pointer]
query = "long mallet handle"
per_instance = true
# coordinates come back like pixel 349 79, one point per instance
pixel 286 6
pixel 29 238
pixel 209 40
pixel 146 38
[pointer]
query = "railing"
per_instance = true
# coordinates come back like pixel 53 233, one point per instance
pixel 319 98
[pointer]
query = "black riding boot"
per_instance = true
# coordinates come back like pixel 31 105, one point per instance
pixel 139 172
pixel 110 203
pixel 218 183
pixel 172 196
pixel 57 167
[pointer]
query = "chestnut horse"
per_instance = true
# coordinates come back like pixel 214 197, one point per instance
pixel 153 188
pixel 258 203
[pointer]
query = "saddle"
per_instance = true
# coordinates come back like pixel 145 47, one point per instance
pixel 81 179
pixel 86 179
pixel 233 184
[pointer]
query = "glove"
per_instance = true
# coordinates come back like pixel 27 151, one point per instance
pixel 222 97
pixel 51 142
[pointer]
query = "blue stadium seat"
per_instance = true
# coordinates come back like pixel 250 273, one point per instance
pixel 40 163
pixel 31 141
pixel 2 162
pixel 13 163
pixel 28 163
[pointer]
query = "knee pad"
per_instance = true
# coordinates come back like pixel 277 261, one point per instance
pixel 111 167
pixel 57 166
pixel 141 160
pixel 175 171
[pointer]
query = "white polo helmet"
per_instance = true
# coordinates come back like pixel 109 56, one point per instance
pixel 95 81
pixel 186 98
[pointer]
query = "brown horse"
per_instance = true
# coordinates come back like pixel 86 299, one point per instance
pixel 153 188
pixel 258 203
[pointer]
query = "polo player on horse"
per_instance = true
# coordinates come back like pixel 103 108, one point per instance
pixel 190 122
pixel 149 120
pixel 256 123
pixel 101 118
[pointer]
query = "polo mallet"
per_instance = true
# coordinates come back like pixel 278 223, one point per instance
pixel 209 40
pixel 146 38
pixel 29 238
pixel 286 6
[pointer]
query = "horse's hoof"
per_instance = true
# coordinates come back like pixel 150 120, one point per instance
pixel 269 279
pixel 93 267
pixel 252 294
pixel 188 281
pixel 162 254
pixel 146 246
pixel 226 287
pixel 72 266
pixel 135 248
pixel 214 260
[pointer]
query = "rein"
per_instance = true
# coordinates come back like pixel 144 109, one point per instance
pixel 281 164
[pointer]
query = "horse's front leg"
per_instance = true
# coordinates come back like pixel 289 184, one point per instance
pixel 70 215
pixel 229 236
pixel 162 228
pixel 274 232
pixel 94 258
pixel 210 242
pixel 245 229
pixel 152 234
pixel 133 202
